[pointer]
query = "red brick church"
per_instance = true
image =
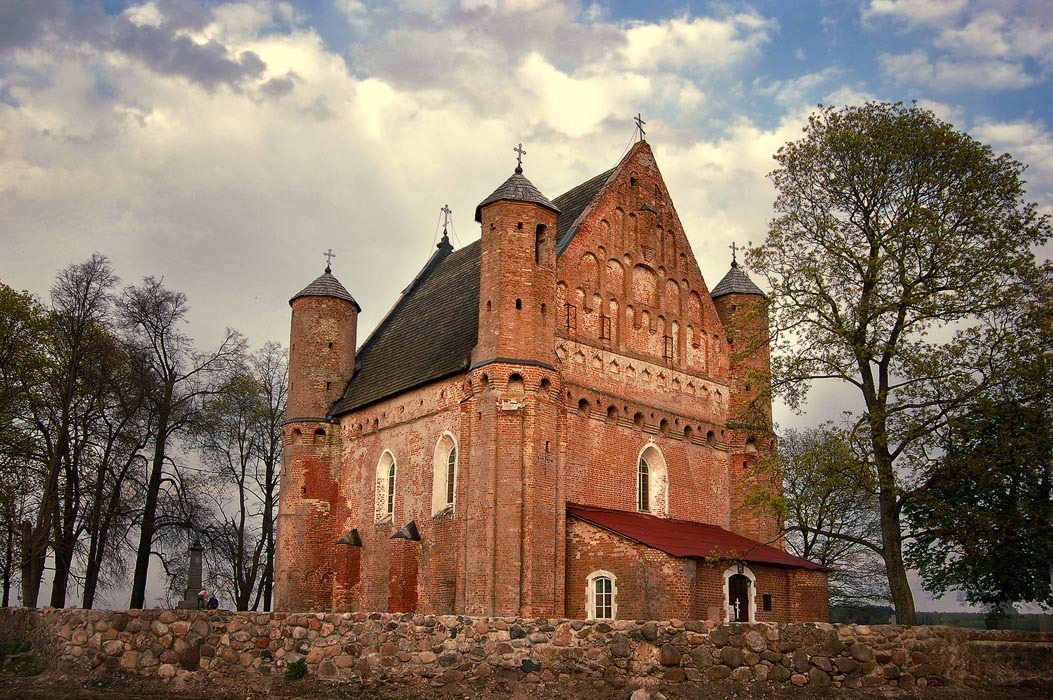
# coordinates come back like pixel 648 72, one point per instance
pixel 558 420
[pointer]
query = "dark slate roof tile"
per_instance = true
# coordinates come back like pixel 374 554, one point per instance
pixel 433 327
pixel 326 286
pixel 515 189
pixel 429 334
pixel 735 282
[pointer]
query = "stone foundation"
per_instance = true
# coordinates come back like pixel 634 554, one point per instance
pixel 204 645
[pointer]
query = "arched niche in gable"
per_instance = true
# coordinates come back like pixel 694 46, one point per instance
pixel 645 286
pixel 589 272
pixel 672 296
pixel 614 281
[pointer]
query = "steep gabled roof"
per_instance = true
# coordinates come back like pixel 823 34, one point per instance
pixel 683 538
pixel 735 282
pixel 429 333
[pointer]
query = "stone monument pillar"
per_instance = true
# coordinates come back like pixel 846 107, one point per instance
pixel 193 584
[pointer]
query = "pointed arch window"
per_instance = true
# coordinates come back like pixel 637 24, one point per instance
pixel 391 491
pixel 387 471
pixel 643 486
pixel 444 474
pixel 652 481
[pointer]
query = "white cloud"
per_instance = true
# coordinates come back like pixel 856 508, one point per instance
pixel 145 15
pixel 802 89
pixel 355 11
pixel 696 42
pixel 914 12
pixel 978 44
pixel 1029 142
pixel 944 74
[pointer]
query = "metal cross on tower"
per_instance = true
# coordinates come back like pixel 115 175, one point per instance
pixel 734 249
pixel 444 243
pixel 639 125
pixel 328 255
pixel 519 158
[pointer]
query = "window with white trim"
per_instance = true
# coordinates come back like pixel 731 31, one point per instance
pixel 652 481
pixel 444 474
pixel 601 590
pixel 387 469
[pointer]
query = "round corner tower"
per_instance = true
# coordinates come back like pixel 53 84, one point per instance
pixel 321 362
pixel 743 311
pixel 514 517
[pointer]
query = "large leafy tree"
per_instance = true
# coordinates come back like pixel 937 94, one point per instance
pixel 900 261
pixel 22 338
pixel 983 524
pixel 827 507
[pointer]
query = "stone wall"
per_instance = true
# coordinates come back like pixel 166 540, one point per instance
pixel 203 645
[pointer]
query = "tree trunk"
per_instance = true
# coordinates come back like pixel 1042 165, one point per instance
pixel 892 535
pixel 268 537
pixel 65 542
pixel 9 554
pixel 153 488
pixel 32 571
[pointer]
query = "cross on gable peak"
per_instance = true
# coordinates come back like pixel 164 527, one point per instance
pixel 328 255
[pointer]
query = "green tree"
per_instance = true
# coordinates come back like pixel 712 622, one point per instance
pixel 983 523
pixel 900 261
pixel 22 324
pixel 828 509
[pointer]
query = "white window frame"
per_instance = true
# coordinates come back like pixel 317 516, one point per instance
pixel 657 480
pixel 590 595
pixel 751 597
pixel 385 487
pixel 444 448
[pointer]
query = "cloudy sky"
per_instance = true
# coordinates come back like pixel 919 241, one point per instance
pixel 225 145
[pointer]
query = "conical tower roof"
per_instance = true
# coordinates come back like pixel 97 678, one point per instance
pixel 735 282
pixel 515 189
pixel 326 286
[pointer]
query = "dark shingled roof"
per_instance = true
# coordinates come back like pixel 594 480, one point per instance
pixel 735 282
pixel 433 327
pixel 326 286
pixel 428 335
pixel 684 538
pixel 515 189
pixel 572 203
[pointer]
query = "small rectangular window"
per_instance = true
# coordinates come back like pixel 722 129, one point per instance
pixel 604 599
pixel 572 317
pixel 605 327
pixel 767 601
pixel 667 350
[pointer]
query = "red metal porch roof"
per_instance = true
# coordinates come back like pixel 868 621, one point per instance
pixel 683 538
